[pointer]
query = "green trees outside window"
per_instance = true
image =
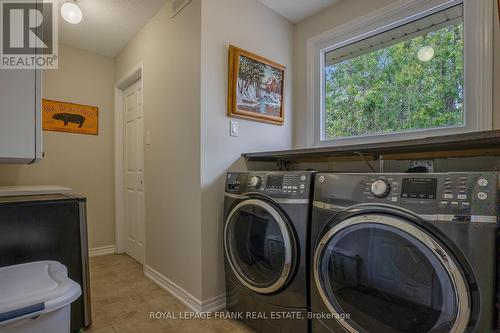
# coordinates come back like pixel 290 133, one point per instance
pixel 415 84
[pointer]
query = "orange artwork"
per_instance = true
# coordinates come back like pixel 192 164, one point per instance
pixel 69 117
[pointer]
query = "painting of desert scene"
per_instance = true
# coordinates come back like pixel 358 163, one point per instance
pixel 259 87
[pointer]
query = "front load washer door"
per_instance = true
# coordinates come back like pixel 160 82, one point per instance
pixel 260 245
pixel 382 273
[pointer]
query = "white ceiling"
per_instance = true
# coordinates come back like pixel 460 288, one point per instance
pixel 297 10
pixel 108 25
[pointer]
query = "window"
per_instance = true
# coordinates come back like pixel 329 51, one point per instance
pixel 408 71
pixel 408 78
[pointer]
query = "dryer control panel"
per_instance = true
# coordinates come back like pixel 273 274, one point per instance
pixel 460 197
pixel 276 184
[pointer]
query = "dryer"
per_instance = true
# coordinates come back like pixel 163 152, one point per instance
pixel 404 253
pixel 266 243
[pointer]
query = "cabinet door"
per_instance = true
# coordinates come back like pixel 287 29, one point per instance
pixel 20 115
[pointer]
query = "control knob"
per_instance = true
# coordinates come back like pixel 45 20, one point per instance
pixel 482 196
pixel 255 182
pixel 381 188
pixel 483 182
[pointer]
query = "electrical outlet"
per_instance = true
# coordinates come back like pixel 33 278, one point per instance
pixel 234 128
pixel 428 164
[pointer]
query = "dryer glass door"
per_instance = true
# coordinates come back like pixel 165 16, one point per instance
pixel 259 245
pixel 389 275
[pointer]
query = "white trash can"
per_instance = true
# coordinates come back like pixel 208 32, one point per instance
pixel 36 298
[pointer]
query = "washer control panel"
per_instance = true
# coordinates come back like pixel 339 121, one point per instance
pixel 281 184
pixel 468 194
pixel 461 197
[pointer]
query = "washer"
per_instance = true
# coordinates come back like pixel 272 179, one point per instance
pixel 266 243
pixel 404 253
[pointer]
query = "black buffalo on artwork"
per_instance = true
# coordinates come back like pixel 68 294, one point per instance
pixel 70 118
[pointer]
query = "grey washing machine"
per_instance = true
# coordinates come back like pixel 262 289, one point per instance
pixel 404 253
pixel 266 243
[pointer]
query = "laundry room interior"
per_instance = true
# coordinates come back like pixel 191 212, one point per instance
pixel 306 166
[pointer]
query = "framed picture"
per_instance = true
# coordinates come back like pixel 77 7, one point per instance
pixel 256 87
pixel 70 118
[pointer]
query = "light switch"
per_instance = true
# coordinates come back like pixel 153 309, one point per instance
pixel 234 128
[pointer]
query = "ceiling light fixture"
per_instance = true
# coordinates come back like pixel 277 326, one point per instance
pixel 71 12
pixel 425 54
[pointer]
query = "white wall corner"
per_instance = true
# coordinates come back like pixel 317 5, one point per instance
pixel 311 103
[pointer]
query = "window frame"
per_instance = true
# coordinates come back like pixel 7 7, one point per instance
pixel 478 64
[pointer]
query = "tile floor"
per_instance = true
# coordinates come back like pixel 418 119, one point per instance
pixel 122 298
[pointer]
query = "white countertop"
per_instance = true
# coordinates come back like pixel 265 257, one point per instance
pixel 11 191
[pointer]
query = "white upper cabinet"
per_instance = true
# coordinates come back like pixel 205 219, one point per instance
pixel 20 116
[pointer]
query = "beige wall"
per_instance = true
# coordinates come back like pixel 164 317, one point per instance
pixel 336 15
pixel 261 31
pixel 82 162
pixel 496 72
pixel 170 51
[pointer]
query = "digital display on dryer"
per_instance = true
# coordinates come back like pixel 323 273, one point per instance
pixel 419 188
pixel 274 182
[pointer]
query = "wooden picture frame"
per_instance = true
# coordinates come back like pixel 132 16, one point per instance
pixel 498 7
pixel 256 87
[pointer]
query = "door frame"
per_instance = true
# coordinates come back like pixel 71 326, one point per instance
pixel 136 73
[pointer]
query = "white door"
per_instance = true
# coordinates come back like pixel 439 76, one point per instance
pixel 134 172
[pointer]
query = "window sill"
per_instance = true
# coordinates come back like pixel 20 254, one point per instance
pixel 456 145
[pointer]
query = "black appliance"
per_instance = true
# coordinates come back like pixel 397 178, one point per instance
pixel 49 227
pixel 266 241
pixel 404 253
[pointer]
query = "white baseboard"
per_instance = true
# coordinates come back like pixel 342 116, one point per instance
pixel 214 304
pixel 102 251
